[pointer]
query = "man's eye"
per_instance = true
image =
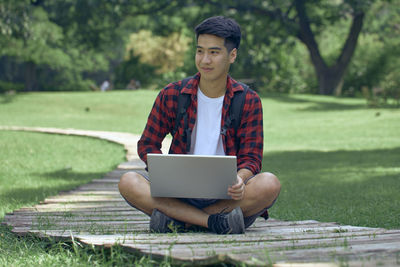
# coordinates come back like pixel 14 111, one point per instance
pixel 214 52
pixel 199 51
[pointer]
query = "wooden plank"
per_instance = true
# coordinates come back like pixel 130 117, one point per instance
pixel 80 205
pixel 215 241
pixel 92 193
pixel 281 231
pixel 88 213
pixel 72 220
pixel 244 246
pixel 132 165
pixel 76 217
pixel 280 253
pixel 83 198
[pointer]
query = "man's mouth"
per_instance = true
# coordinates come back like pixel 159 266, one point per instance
pixel 206 69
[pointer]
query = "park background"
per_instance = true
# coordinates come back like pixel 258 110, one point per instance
pixel 337 47
pixel 327 72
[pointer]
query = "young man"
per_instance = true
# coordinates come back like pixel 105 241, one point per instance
pixel 211 91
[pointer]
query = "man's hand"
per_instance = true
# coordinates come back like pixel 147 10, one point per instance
pixel 236 191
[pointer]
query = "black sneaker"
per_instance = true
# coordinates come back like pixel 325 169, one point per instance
pixel 227 223
pixel 161 223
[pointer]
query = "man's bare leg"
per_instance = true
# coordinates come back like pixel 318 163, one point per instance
pixel 136 190
pixel 260 192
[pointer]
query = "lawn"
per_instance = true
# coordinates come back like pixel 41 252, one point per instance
pixel 34 166
pixel 337 159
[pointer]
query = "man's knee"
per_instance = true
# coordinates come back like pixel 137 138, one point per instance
pixel 268 186
pixel 272 182
pixel 128 182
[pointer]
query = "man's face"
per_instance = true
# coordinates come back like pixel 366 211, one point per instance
pixel 212 57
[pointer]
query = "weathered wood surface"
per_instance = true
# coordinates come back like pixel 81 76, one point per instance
pixel 96 214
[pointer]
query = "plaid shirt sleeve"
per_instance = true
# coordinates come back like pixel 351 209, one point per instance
pixel 158 125
pixel 251 134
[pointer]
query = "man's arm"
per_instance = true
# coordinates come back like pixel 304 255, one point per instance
pixel 251 136
pixel 157 127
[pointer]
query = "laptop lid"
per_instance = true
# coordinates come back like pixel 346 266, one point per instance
pixel 191 176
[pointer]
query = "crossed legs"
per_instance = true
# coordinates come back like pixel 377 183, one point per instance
pixel 260 192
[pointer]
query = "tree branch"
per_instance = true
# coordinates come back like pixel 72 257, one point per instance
pixel 351 41
pixel 275 14
pixel 307 37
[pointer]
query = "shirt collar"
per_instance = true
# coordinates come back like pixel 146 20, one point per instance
pixel 192 85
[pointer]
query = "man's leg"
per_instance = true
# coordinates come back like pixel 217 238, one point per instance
pixel 136 190
pixel 261 191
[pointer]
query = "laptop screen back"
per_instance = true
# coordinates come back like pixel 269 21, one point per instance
pixel 191 176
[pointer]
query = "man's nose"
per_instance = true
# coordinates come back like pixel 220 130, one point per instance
pixel 206 58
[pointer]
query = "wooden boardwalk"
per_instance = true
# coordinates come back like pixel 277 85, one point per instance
pixel 96 214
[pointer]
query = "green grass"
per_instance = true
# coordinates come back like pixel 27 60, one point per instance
pixel 124 111
pixel 34 166
pixel 337 160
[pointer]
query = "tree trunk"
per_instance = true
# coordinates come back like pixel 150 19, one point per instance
pixel 329 80
pixel 329 77
pixel 30 76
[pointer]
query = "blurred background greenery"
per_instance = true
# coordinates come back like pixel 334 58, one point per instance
pixel 329 47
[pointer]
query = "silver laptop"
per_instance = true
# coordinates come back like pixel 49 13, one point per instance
pixel 191 176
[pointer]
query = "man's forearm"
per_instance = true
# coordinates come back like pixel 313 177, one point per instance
pixel 245 174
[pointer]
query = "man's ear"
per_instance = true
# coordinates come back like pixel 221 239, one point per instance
pixel 232 55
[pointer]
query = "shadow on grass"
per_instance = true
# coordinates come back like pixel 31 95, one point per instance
pixel 349 187
pixel 332 105
pixel 53 185
pixel 6 98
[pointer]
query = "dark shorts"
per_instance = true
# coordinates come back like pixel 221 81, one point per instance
pixel 202 203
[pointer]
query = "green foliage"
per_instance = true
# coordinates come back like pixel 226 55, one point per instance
pixel 132 68
pixel 9 86
pixel 46 51
pixel 74 45
pixel 165 53
pixel 376 64
pixel 276 71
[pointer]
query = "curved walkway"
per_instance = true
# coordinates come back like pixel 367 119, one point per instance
pixel 128 140
pixel 96 214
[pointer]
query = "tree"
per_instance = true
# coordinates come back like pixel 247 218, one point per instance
pixel 63 45
pixel 330 78
pixel 305 20
pixel 376 63
pixel 32 39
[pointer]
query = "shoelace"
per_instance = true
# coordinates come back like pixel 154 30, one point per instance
pixel 219 223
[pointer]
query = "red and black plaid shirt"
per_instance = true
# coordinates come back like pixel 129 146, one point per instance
pixel 161 122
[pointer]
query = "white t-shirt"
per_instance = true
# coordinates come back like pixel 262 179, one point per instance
pixel 206 135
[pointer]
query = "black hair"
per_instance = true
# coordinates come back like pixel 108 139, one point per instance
pixel 222 27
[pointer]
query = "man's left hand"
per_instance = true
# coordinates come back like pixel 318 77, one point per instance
pixel 236 191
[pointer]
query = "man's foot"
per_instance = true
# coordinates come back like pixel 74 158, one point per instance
pixel 227 223
pixel 161 223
